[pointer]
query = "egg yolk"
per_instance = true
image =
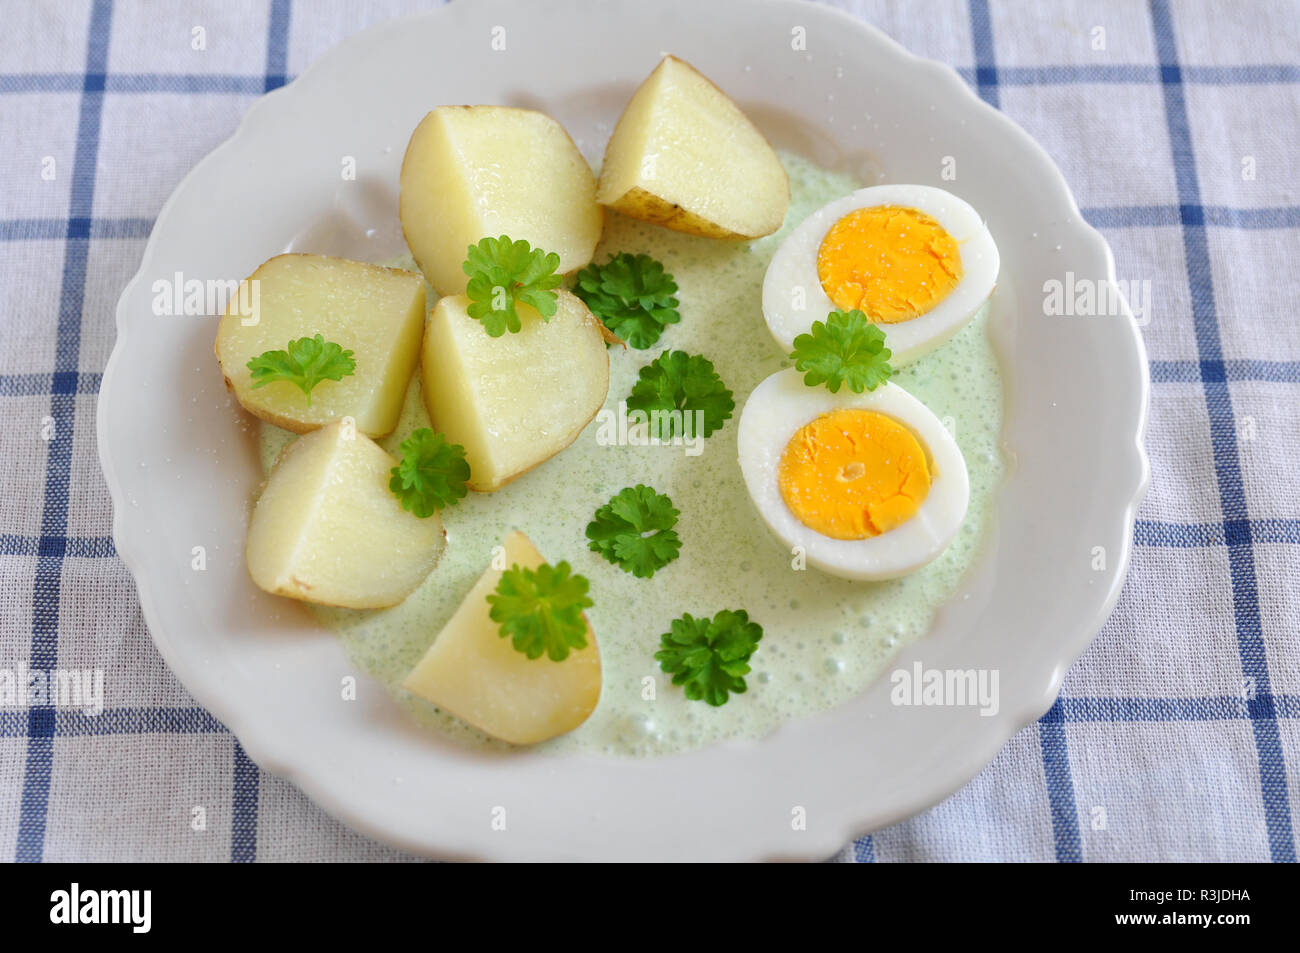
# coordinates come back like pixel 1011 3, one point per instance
pixel 852 474
pixel 890 263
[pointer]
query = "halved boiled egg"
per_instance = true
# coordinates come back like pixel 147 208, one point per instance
pixel 867 486
pixel 916 260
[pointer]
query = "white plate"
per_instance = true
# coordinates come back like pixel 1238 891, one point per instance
pixel 181 462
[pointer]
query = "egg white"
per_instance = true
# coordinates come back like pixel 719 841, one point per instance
pixel 780 406
pixel 792 278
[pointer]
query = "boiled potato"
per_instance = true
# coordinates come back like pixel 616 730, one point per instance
pixel 474 172
pixel 328 530
pixel 684 156
pixel 475 673
pixel 376 313
pixel 515 400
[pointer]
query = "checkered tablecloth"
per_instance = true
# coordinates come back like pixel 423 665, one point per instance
pixel 1177 735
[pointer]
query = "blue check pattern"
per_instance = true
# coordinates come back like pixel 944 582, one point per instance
pixel 1175 774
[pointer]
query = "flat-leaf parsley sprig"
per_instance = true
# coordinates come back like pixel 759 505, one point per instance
pixel 305 363
pixel 431 475
pixel 503 274
pixel 677 381
pixel 633 295
pixel 540 610
pixel 634 531
pixel 710 657
pixel 844 349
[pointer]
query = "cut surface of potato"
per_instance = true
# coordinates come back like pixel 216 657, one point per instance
pixel 475 673
pixel 684 156
pixel 474 172
pixel 376 313
pixel 328 530
pixel 515 400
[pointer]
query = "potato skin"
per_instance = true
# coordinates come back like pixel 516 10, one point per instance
pixel 637 203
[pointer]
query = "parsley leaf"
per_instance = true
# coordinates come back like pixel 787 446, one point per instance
pixel 677 381
pixel 710 657
pixel 306 363
pixel 503 274
pixel 634 530
pixel 431 475
pixel 540 610
pixel 845 349
pixel 632 294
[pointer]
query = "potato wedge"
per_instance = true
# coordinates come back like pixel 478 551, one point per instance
pixel 377 313
pixel 515 400
pixel 684 156
pixel 473 172
pixel 478 676
pixel 328 530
